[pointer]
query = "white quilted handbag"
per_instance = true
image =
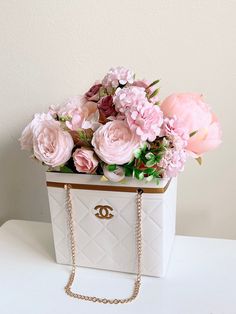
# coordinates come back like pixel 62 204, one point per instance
pixel 105 229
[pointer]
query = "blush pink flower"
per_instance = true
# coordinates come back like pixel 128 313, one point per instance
pixel 26 139
pixel 49 142
pixel 116 76
pixel 115 143
pixel 79 114
pixel 205 139
pixel 128 97
pixel 115 176
pixel 196 116
pixel 173 162
pixel 175 132
pixel 149 90
pixel 145 120
pixel 85 160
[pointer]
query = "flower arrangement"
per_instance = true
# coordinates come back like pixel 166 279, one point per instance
pixel 119 128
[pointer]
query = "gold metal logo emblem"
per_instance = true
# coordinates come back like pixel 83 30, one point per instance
pixel 104 211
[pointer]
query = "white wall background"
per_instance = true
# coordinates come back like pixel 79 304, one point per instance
pixel 53 49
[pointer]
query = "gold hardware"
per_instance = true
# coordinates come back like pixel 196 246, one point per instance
pixel 103 211
pixel 138 228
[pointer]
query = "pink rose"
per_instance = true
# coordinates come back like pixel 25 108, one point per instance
pixel 85 160
pixel 50 143
pixel 195 115
pixel 26 139
pixel 93 93
pixel 114 142
pixel 79 114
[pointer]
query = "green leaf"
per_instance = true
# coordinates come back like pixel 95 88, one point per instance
pixel 138 174
pixel 150 163
pixel 131 163
pixel 158 157
pixel 154 93
pixel 65 118
pixel 143 146
pixel 150 156
pixel 199 160
pixel 192 133
pixel 137 153
pixel 128 171
pixel 111 167
pixel 150 171
pixel 65 169
pixel 153 83
pixel 149 178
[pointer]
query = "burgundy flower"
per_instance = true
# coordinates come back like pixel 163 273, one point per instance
pixel 106 106
pixel 93 93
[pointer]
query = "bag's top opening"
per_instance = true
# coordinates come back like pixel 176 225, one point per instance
pixel 94 182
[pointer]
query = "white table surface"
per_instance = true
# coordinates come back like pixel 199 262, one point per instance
pixel 201 278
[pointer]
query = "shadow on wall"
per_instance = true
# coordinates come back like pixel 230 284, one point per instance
pixel 23 193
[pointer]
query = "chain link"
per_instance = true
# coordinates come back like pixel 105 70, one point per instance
pixel 138 230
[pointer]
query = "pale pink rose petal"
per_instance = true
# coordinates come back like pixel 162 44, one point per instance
pixel 85 160
pixel 115 143
pixel 51 144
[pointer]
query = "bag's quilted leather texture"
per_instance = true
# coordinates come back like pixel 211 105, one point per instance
pixel 110 244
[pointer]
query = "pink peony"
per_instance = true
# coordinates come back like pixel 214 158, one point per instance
pixel 146 120
pixel 114 142
pixel 127 97
pixel 79 114
pixel 173 162
pixel 116 76
pixel 206 138
pixel 195 115
pixel 144 84
pixel 50 143
pixel 93 93
pixel 106 106
pixel 85 160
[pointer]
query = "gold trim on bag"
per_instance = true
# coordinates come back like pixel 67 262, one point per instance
pixel 110 188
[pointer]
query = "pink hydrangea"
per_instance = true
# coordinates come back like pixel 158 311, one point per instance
pixel 145 120
pixel 173 162
pixel 116 76
pixel 150 90
pixel 128 97
pixel 175 132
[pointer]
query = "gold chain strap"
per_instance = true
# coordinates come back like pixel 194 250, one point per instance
pixel 137 282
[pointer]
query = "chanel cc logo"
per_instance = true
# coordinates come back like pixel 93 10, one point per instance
pixel 103 211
